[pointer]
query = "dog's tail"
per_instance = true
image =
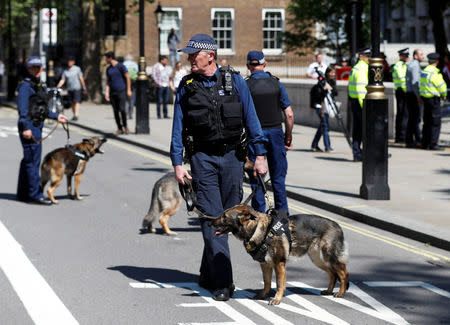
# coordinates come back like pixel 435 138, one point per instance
pixel 154 209
pixel 343 255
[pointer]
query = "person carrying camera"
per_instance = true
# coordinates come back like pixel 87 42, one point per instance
pixel 321 95
pixel 32 105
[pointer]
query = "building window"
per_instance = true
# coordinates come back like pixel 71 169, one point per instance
pixel 398 35
pixel 387 35
pixel 412 34
pixel 171 18
pixel 424 34
pixel 223 29
pixel 273 27
pixel 114 18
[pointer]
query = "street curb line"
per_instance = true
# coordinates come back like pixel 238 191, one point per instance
pixel 350 214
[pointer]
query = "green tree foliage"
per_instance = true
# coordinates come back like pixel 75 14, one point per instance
pixel 331 18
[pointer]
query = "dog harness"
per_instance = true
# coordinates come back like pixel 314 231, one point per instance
pixel 278 226
pixel 80 155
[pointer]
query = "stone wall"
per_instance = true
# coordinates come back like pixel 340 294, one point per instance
pixel 298 90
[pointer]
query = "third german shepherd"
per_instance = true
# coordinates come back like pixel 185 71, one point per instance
pixel 321 238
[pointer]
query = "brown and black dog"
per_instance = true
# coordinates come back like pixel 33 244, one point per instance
pixel 70 161
pixel 321 238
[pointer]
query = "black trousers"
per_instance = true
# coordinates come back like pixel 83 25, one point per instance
pixel 413 134
pixel 357 127
pixel 118 100
pixel 431 121
pixel 401 119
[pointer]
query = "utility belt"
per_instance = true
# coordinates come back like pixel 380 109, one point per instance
pixel 214 148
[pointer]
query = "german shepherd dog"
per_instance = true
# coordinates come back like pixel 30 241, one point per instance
pixel 321 238
pixel 166 200
pixel 67 161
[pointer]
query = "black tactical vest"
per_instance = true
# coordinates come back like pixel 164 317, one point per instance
pixel 213 114
pixel 266 94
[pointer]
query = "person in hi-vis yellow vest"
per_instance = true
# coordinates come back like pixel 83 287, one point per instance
pixel 357 83
pixel 399 79
pixel 432 89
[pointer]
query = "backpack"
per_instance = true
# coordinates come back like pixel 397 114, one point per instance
pixel 38 103
pixel 132 73
pixel 316 96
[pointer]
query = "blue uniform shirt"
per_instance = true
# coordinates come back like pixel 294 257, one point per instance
pixel 25 90
pixel 284 99
pixel 116 78
pixel 252 125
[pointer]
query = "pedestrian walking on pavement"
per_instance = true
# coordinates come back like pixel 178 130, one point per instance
pixel 73 77
pixel 133 69
pixel 432 89
pixel 118 88
pixel 31 95
pixel 357 82
pixel 212 107
pixel 172 43
pixel 161 76
pixel 177 74
pixel 399 79
pixel 324 110
pixel 271 102
pixel 413 100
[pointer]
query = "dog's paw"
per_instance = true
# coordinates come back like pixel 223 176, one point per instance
pixel 79 198
pixel 260 296
pixel 326 293
pixel 171 233
pixel 275 301
pixel 55 201
pixel 339 295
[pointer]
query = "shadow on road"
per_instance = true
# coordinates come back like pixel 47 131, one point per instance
pixel 158 170
pixel 8 196
pixel 324 191
pixel 150 274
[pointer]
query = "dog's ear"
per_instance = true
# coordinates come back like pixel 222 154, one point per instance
pixel 85 140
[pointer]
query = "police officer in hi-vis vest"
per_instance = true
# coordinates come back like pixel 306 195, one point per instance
pixel 357 82
pixel 213 106
pixel 399 79
pixel 432 89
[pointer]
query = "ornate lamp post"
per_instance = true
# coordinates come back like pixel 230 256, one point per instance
pixel 375 121
pixel 142 113
pixel 159 13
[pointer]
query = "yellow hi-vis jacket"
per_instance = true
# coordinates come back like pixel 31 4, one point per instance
pixel 432 83
pixel 399 75
pixel 358 80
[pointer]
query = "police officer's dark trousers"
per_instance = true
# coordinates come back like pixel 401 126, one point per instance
pixel 431 121
pixel 357 127
pixel 277 163
pixel 218 185
pixel 413 135
pixel 401 118
pixel 29 184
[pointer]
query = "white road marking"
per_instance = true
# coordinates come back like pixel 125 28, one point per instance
pixel 378 310
pixel 40 301
pixel 408 284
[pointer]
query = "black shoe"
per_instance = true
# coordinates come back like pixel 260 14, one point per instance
pixel 224 294
pixel 316 149
pixel 329 149
pixel 75 118
pixel 412 145
pixel 167 116
pixel 42 201
pixel 436 148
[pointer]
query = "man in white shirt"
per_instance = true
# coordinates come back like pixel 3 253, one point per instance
pixel 161 75
pixel 311 73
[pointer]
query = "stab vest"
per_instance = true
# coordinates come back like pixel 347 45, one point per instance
pixel 213 114
pixel 266 97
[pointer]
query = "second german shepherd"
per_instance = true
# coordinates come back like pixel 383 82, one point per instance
pixel 321 238
pixel 70 162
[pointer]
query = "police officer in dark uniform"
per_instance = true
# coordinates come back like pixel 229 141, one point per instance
pixel 271 100
pixel 213 106
pixel 30 133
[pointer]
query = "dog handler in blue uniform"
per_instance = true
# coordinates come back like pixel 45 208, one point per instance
pixel 271 99
pixel 30 133
pixel 213 106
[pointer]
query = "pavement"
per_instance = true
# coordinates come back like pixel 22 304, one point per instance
pixel 419 180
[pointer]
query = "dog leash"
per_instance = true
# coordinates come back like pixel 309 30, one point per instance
pixel 66 128
pixel 264 188
pixel 44 138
